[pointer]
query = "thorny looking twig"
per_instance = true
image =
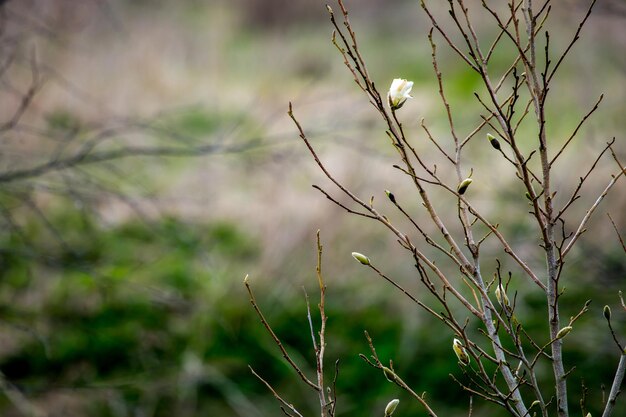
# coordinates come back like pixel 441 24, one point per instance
pixel 327 397
pixel 537 82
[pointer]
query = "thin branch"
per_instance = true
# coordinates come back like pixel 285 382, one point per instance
pixel 276 339
pixel 573 135
pixel 328 196
pixel 572 42
pixel 395 378
pixel 619 236
pixel 581 227
pixel 575 194
pixel 278 397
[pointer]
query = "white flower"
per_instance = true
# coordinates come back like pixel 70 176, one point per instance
pixel 399 92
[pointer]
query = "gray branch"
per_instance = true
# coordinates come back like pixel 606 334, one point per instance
pixel 615 388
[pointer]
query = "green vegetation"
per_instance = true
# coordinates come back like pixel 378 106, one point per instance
pixel 154 315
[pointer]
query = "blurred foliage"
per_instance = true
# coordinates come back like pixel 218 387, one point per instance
pixel 151 317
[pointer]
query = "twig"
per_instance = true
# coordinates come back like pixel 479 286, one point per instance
pixel 276 339
pixel 581 227
pixel 395 378
pixel 619 236
pixel 573 135
pixel 278 397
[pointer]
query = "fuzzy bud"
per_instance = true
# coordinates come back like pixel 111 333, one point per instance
pixel 389 374
pixel 460 352
pixel 391 407
pixel 501 296
pixel 463 186
pixel 527 194
pixel 607 312
pixel 391 197
pixel 588 415
pixel 494 142
pixel 563 332
pixel 364 260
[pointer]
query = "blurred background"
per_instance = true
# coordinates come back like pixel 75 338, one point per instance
pixel 147 164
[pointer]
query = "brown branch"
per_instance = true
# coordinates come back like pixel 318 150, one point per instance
pixel 619 236
pixel 391 375
pixel 575 193
pixel 581 227
pixel 278 397
pixel 572 42
pixel 573 135
pixel 276 339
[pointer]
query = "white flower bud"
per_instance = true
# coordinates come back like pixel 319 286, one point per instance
pixel 460 351
pixel 501 296
pixel 361 258
pixel 391 407
pixel 463 186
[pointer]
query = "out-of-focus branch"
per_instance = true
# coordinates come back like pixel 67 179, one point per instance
pixel 615 387
pixel 21 403
pixel 85 158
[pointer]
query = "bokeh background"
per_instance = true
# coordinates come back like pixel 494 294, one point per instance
pixel 121 279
